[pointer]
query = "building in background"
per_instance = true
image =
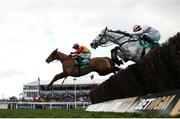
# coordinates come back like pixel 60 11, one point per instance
pixel 65 92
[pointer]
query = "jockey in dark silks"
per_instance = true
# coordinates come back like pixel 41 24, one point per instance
pixel 82 54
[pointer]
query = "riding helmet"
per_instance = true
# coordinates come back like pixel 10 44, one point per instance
pixel 137 28
pixel 75 46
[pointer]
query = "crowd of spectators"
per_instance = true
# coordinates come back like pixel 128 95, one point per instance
pixel 65 97
pixel 54 97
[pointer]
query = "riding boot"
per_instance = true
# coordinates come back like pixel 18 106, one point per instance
pixel 79 60
pixel 148 39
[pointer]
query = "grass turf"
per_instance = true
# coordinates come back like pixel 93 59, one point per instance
pixel 64 113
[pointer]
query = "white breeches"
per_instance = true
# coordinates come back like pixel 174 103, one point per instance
pixel 155 36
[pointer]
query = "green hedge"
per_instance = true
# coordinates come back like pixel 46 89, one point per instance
pixel 158 71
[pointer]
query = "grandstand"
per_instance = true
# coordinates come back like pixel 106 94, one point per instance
pixel 73 93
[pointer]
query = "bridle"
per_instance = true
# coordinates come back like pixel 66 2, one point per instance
pixel 53 56
pixel 104 35
pixel 116 39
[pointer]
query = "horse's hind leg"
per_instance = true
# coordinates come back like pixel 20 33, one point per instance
pixel 57 77
pixel 108 71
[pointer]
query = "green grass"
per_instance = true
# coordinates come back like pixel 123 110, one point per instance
pixel 40 113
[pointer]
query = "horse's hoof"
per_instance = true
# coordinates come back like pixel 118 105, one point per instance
pixel 119 62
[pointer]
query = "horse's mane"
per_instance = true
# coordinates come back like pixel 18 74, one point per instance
pixel 65 55
pixel 121 32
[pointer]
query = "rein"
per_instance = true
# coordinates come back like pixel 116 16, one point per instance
pixel 117 39
pixel 106 45
pixel 68 56
pixel 104 34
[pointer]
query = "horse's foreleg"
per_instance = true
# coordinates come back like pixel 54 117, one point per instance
pixel 114 56
pixel 57 77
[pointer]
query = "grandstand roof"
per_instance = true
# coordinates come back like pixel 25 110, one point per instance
pixel 68 82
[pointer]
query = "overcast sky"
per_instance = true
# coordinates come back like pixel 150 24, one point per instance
pixel 31 29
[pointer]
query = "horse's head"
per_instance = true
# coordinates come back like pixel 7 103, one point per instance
pixel 53 56
pixel 100 39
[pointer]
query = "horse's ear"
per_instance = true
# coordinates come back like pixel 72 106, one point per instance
pixel 56 49
pixel 106 28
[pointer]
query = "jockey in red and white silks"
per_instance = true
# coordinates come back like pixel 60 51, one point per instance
pixel 81 51
pixel 82 54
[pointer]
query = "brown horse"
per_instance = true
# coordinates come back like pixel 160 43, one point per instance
pixel 101 65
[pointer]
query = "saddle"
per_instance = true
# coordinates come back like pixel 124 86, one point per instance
pixel 81 62
pixel 146 42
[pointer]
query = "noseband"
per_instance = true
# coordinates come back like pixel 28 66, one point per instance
pixel 104 35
